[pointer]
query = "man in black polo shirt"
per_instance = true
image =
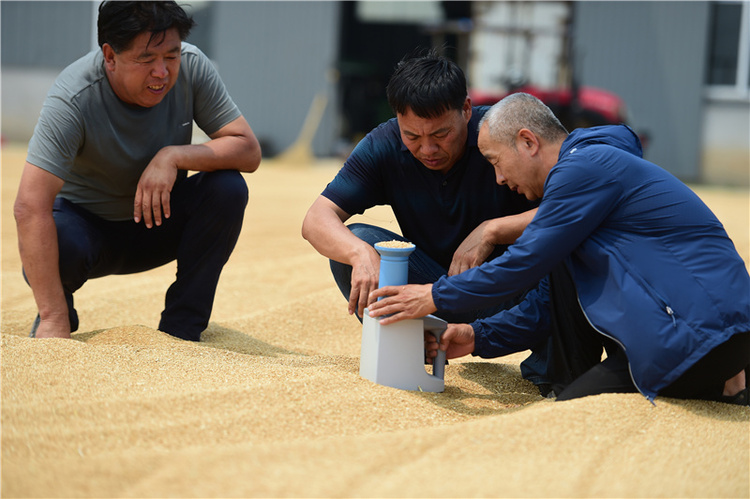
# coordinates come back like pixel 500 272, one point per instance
pixel 426 165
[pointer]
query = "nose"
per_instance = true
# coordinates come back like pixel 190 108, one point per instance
pixel 159 69
pixel 499 178
pixel 429 147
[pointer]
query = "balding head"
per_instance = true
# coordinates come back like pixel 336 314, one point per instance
pixel 517 111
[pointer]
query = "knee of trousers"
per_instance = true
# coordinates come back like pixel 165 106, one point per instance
pixel 226 190
pixel 359 228
pixel 76 254
pixel 372 234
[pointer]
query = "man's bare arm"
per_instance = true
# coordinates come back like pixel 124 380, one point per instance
pixel 37 244
pixel 233 147
pixel 324 228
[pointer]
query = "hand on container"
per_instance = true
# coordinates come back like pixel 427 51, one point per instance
pixel 398 303
pixel 456 341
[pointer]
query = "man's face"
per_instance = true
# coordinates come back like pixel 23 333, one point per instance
pixel 438 143
pixel 511 166
pixel 143 74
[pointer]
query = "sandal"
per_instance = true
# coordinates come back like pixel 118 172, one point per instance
pixel 35 326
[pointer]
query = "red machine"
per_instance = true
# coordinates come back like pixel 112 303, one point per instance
pixel 593 106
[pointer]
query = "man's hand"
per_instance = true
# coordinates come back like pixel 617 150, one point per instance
pixel 473 251
pixel 365 276
pixel 152 195
pixel 480 244
pixel 456 341
pixel 232 147
pixel 324 228
pixel 401 302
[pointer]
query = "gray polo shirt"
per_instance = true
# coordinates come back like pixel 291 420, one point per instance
pixel 99 145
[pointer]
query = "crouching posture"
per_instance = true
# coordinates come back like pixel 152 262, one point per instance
pixel 105 188
pixel 630 260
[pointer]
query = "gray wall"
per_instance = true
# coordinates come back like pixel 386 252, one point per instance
pixel 38 40
pixel 652 54
pixel 45 34
pixel 275 57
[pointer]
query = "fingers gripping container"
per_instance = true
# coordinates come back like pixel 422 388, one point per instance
pixel 393 355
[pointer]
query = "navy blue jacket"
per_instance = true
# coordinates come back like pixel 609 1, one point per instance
pixel 653 267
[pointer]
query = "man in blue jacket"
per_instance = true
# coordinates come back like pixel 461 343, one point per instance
pixel 659 283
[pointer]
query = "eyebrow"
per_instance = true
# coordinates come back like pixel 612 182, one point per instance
pixel 146 53
pixel 436 132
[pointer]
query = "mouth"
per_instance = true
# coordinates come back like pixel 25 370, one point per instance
pixel 432 162
pixel 156 88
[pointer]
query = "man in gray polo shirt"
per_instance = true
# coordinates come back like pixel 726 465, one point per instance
pixel 105 188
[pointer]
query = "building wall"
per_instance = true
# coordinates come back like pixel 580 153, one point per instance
pixel 652 54
pixel 38 40
pixel 45 34
pixel 275 57
pixel 726 143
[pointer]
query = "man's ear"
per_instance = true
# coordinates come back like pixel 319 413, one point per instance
pixel 527 141
pixel 466 109
pixel 109 56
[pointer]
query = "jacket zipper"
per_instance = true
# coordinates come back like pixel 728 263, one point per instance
pixel 670 313
pixel 630 371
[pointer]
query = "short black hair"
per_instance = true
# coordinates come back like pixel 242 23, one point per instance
pixel 428 84
pixel 120 23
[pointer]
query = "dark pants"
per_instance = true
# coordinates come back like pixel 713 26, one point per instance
pixel 424 270
pixel 577 370
pixel 207 210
